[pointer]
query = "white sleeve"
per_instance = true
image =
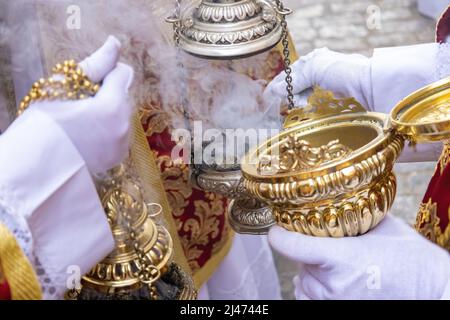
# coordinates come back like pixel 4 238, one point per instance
pixel 50 201
pixel 398 72
pixel 446 295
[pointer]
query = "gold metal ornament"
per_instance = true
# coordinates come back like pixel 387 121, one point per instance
pixel 141 262
pixel 68 82
pixel 140 267
pixel 230 29
pixel 329 173
pixel 424 116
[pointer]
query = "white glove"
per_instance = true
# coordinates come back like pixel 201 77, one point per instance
pixel 392 261
pixel 98 126
pixel 346 75
pixel 48 198
pixel 378 83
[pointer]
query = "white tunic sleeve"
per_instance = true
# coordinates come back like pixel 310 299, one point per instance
pixel 398 72
pixel 446 295
pixel 50 202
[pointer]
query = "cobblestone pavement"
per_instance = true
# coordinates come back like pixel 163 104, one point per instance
pixel 347 26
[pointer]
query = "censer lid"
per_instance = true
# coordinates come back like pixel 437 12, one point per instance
pixel 329 135
pixel 424 116
pixel 230 29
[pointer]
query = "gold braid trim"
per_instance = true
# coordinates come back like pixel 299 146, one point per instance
pixel 16 268
pixel 153 187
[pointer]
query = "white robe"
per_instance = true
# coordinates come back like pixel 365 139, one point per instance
pixel 49 202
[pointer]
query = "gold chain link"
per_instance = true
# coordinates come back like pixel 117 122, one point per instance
pixel 148 274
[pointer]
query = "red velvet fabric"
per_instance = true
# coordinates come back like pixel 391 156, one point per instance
pixel 5 293
pixel 440 183
pixel 199 239
pixel 438 193
pixel 200 216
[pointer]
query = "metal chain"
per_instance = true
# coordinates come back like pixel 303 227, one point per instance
pixel 148 274
pixel 287 55
pixel 176 20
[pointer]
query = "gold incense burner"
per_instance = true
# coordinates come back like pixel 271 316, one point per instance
pixel 140 267
pixel 229 29
pixel 330 172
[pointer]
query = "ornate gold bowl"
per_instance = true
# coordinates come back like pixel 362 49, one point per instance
pixel 327 177
pixel 330 172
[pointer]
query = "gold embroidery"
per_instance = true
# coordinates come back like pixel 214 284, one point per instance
pixel 428 224
pixel 176 184
pixel 264 66
pixel 156 119
pixel 227 233
pixel 445 157
pixel 203 228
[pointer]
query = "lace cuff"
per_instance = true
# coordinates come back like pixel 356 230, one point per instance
pixel 18 226
pixel 15 222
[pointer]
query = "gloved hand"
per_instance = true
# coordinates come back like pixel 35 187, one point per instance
pixel 378 83
pixel 47 197
pixel 99 126
pixel 392 261
pixel 347 75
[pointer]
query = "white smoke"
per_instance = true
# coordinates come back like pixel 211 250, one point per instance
pixel 4 114
pixel 214 93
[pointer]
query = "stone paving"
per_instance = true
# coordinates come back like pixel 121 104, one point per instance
pixel 353 27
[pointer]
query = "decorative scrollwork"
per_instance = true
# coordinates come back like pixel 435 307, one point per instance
pixel 210 37
pixel 240 11
pixel 439 113
pixel 322 103
pixel 230 29
pixel 249 216
pixel 297 154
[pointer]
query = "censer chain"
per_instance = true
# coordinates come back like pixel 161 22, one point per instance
pixel 176 21
pixel 148 274
pixel 176 39
pixel 287 55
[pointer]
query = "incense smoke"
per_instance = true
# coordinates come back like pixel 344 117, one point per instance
pixel 217 95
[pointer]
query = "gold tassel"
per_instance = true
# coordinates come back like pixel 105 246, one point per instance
pixel 16 268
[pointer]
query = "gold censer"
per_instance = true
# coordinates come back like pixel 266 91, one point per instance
pixel 140 267
pixel 330 172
